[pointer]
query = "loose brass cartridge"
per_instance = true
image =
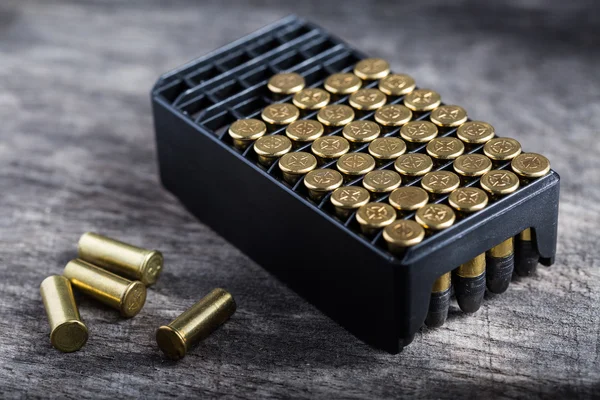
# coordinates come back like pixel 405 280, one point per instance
pixel 67 332
pixel 121 258
pixel 117 292
pixel 195 324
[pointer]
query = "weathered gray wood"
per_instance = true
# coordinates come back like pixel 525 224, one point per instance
pixel 77 154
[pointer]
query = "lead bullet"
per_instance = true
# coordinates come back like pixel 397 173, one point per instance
pixel 526 255
pixel 500 265
pixel 195 324
pixel 117 292
pixel 67 332
pixel 439 303
pixel 469 286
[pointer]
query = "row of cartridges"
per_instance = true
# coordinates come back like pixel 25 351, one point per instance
pixel 355 146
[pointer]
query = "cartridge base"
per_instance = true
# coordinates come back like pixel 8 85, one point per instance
pixel 526 258
pixel 170 342
pixel 438 309
pixel 469 292
pixel 499 273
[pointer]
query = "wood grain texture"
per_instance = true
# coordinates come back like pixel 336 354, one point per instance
pixel 77 153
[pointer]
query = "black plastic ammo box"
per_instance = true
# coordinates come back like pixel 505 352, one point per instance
pixel 381 298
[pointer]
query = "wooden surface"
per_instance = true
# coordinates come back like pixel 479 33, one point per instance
pixel 77 153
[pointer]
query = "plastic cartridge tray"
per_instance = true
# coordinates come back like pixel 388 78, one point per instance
pixel 380 297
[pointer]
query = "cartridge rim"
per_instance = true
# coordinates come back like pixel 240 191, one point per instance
pixel 355 163
pixel 311 98
pixel 335 115
pixel 468 199
pixel 413 164
pixel 445 148
pixel 382 181
pixel 404 233
pixel 152 267
pixel 133 299
pixel 350 197
pixel 272 146
pixel 419 131
pixel 435 216
pixel 393 115
pixel 376 215
pixel 408 198
pixel 342 83
pixel 286 83
pixel 397 84
pixel 472 164
pixel 501 149
pixel 247 129
pixel 387 148
pixel 448 116
pixel 323 180
pixel 330 147
pixel 304 130
pixel 440 182
pixel 499 182
pixel 421 100
pixel 530 165
pixel 475 132
pixel 69 336
pixel 367 99
pixel 361 131
pixel 171 342
pixel 372 68
pixel 280 113
pixel 297 163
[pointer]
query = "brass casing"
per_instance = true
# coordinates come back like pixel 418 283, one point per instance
pixel 442 283
pixel 195 324
pixel 113 290
pixel 502 250
pixel 123 259
pixel 473 268
pixel 67 332
pixel 526 235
